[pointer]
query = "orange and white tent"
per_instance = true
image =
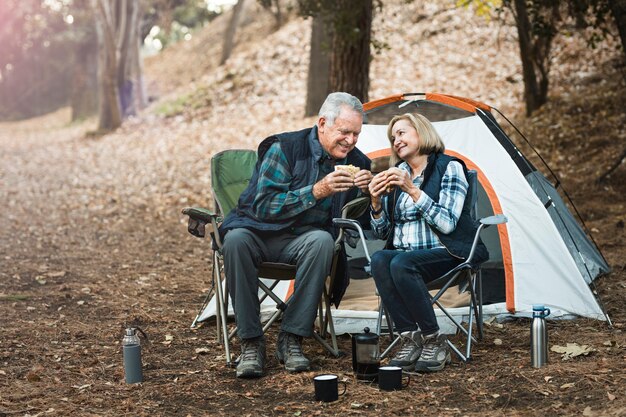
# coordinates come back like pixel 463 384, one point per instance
pixel 541 256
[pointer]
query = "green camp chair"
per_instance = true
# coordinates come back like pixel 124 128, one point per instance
pixel 230 174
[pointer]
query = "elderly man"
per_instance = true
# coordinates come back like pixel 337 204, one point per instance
pixel 285 216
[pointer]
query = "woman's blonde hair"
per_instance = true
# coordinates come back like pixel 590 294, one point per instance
pixel 430 141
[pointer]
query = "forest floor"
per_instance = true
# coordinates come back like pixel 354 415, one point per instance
pixel 91 239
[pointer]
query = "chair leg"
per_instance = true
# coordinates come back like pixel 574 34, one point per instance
pixel 475 310
pixel 393 343
pixel 221 309
pixel 326 326
pixel 479 318
pixel 206 301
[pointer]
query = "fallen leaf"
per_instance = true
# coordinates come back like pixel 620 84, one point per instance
pixel 568 385
pixel 572 350
pixel 33 377
pixel 495 395
pixel 547 378
pixel 497 342
pixel 169 337
pixel 203 350
pixel 611 396
pixel 587 411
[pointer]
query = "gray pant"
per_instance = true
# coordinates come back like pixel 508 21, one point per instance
pixel 244 250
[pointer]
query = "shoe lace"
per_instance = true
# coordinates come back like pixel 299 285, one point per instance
pixel 293 346
pixel 429 349
pixel 249 351
pixel 408 345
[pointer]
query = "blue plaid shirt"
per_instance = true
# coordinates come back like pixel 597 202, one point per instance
pixel 414 220
pixel 274 199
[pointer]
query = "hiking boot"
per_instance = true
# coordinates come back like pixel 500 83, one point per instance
pixel 435 354
pixel 409 352
pixel 290 353
pixel 252 359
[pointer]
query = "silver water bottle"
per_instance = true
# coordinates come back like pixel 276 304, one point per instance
pixel 539 336
pixel 131 346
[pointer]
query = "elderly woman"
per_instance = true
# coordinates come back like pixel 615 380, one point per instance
pixel 418 205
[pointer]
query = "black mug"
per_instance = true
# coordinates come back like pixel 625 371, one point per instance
pixel 390 378
pixel 327 388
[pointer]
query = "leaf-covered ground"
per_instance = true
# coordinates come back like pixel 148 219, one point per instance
pixel 91 235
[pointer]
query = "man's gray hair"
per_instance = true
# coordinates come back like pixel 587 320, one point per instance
pixel 333 104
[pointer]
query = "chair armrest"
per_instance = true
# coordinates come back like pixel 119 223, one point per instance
pixel 492 220
pixel 484 223
pixel 198 218
pixel 345 225
pixel 200 214
pixel 354 209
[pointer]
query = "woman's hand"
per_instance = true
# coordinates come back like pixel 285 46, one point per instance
pixel 396 177
pixel 378 185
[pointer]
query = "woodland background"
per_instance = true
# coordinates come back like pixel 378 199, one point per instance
pixel 110 111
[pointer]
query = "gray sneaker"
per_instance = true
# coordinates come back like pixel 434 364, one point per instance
pixel 435 354
pixel 410 350
pixel 290 353
pixel 252 359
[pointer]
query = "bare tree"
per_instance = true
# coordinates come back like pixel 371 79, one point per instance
pixel 109 108
pixel 119 67
pixel 318 85
pixel 535 35
pixel 229 35
pixel 351 22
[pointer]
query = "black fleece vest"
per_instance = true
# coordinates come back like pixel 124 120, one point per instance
pixel 459 241
pixel 304 170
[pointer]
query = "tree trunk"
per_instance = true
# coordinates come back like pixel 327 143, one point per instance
pixel 319 65
pixel 534 54
pixel 127 37
pixel 109 110
pixel 229 35
pixel 618 10
pixel 350 49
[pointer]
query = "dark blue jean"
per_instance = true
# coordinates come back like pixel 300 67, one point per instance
pixel 401 279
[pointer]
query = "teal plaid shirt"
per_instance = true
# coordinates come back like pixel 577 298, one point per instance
pixel 414 220
pixel 275 201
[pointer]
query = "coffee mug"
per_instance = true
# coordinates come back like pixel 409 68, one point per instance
pixel 327 388
pixel 390 378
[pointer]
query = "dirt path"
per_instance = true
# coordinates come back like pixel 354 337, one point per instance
pixel 91 238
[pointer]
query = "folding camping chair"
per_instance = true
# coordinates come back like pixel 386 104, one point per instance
pixel 230 174
pixel 467 276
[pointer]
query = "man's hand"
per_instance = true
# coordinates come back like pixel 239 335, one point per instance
pixel 333 183
pixel 362 180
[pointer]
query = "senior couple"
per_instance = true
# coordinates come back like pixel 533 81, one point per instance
pixel 285 215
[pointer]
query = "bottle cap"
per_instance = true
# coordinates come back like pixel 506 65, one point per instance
pixel 538 307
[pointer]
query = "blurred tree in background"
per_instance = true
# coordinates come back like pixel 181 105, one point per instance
pixel 349 27
pixel 35 47
pixel 49 51
pixel 538 22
